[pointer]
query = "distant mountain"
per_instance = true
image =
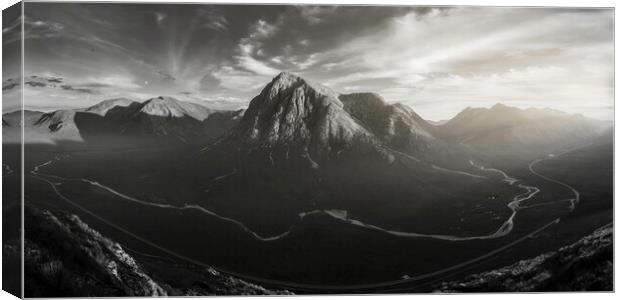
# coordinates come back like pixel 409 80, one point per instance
pixel 156 119
pixel 504 129
pixel 11 130
pixel 437 123
pixel 161 118
pixel 103 107
pixel 164 118
pixel 12 119
pixel 60 125
pixel 173 108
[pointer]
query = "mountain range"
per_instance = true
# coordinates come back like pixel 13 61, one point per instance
pixel 292 112
pixel 160 118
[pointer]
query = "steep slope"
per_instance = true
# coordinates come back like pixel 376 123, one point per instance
pixel 291 112
pixel 67 258
pixel 504 129
pixel 60 125
pixel 586 265
pixel 396 125
pixel 220 123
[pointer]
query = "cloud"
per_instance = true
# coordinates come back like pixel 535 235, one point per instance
pixel 77 90
pixel 10 84
pixel 214 19
pixel 314 15
pixel 479 56
pixel 302 65
pixel 33 28
pixel 158 17
pixel 438 60
pixel 234 79
pixel 117 81
pixel 262 29
pixel 248 71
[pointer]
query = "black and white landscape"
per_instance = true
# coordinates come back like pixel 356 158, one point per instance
pixel 176 158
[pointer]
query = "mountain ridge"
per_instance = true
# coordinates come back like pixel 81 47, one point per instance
pixel 506 129
pixel 293 112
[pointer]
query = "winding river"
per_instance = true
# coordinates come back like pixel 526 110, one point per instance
pixel 341 215
pixel 515 205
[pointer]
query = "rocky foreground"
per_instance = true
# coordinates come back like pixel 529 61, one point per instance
pixel 65 257
pixel 586 265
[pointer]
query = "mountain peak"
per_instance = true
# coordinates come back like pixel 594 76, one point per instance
pixel 499 105
pixel 288 81
pixel 286 76
pixel 165 106
pixel 292 111
pixel 163 99
pixel 104 106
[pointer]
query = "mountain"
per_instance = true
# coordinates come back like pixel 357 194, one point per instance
pixel 173 108
pixel 104 106
pixel 397 125
pixel 437 123
pixel 293 116
pixel 291 112
pixel 12 119
pixel 165 118
pixel 503 129
pixel 300 145
pixel 586 265
pixel 60 125
pixel 156 119
pixel 220 123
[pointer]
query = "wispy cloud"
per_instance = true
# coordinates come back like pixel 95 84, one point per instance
pixel 214 20
pixel 520 56
pixel 316 14
pixel 248 71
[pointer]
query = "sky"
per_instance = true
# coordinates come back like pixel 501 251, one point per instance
pixel 438 60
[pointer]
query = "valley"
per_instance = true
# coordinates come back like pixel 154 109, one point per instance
pixel 311 191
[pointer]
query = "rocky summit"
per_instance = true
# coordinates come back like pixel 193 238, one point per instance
pixel 291 111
